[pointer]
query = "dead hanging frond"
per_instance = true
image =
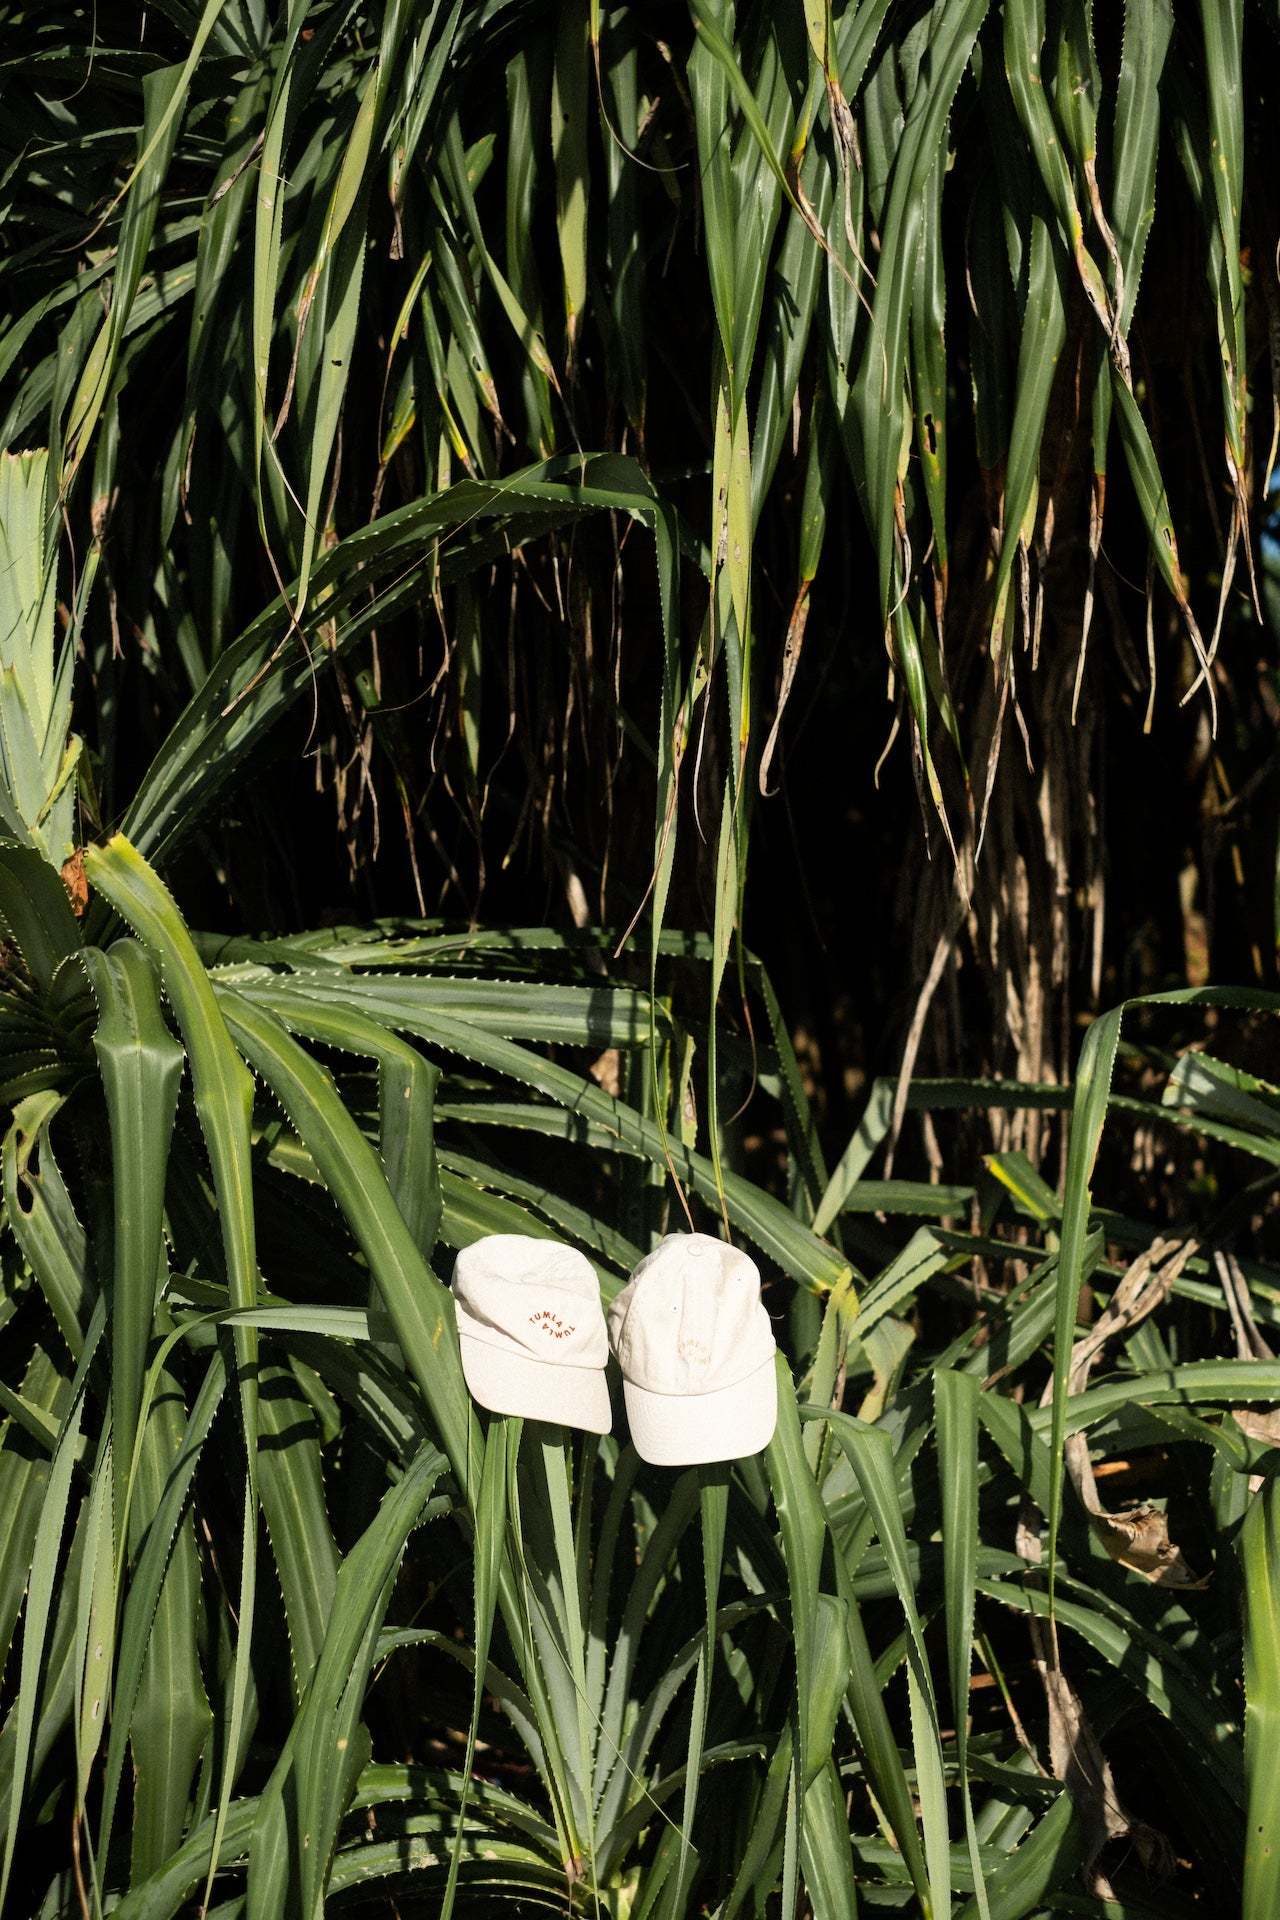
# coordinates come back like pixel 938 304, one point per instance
pixel 1077 1759
pixel 1034 932
pixel 989 752
pixel 1097 505
pixel 1151 644
pixel 1138 1538
pixel 790 662
pixel 1250 1344
pixel 944 948
pixel 1260 1426
pixel 1116 341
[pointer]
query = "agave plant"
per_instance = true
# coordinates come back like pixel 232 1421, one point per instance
pixel 193 1194
pixel 696 1675
pixel 213 1205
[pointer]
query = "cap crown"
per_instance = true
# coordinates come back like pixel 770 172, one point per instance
pixel 532 1297
pixel 691 1321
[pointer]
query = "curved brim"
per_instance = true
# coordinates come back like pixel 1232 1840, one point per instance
pixel 694 1429
pixel 508 1383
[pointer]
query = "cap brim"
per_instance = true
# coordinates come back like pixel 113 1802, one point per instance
pixel 535 1389
pixel 694 1429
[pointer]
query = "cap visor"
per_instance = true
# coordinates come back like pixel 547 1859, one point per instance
pixel 693 1429
pixel 508 1383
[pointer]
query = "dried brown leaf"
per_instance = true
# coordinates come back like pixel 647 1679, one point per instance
pixel 73 879
pixel 1139 1540
pixel 1263 1427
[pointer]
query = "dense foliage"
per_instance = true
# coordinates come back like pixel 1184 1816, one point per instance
pixel 470 469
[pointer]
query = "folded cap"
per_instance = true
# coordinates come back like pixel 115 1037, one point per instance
pixel 532 1330
pixel 696 1351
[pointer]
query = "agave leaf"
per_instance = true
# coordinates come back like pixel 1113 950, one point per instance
pixel 1045 1861
pixel 24 1478
pixel 802 1525
pixel 569 125
pixel 490 1540
pixel 290 1861
pixel 419 1306
pixel 224 1097
pixel 1223 28
pixel 35 691
pixel 1044 329
pixel 150 1573
pixel 1148 25
pixel 141 1065
pixel 713 1499
pixel 36 913
pixel 767 1222
pixel 830 1872
pixel 164 95
pixel 622 1748
pixel 39 1608
pixel 956 1397
pixel 171 1718
pixel 303 1548
pixel 52 1709
pixel 1260 1562
pixel 870 1453
pixel 879 384
pixel 43 1219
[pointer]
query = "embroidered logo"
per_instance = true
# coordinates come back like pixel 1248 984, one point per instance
pixel 551 1323
pixel 694 1352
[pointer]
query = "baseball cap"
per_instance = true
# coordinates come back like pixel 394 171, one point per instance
pixel 696 1351
pixel 532 1330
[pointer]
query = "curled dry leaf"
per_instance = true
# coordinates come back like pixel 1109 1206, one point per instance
pixel 1079 1761
pixel 1140 1541
pixel 75 883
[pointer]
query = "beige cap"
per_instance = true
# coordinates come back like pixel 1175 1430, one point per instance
pixel 697 1353
pixel 532 1330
